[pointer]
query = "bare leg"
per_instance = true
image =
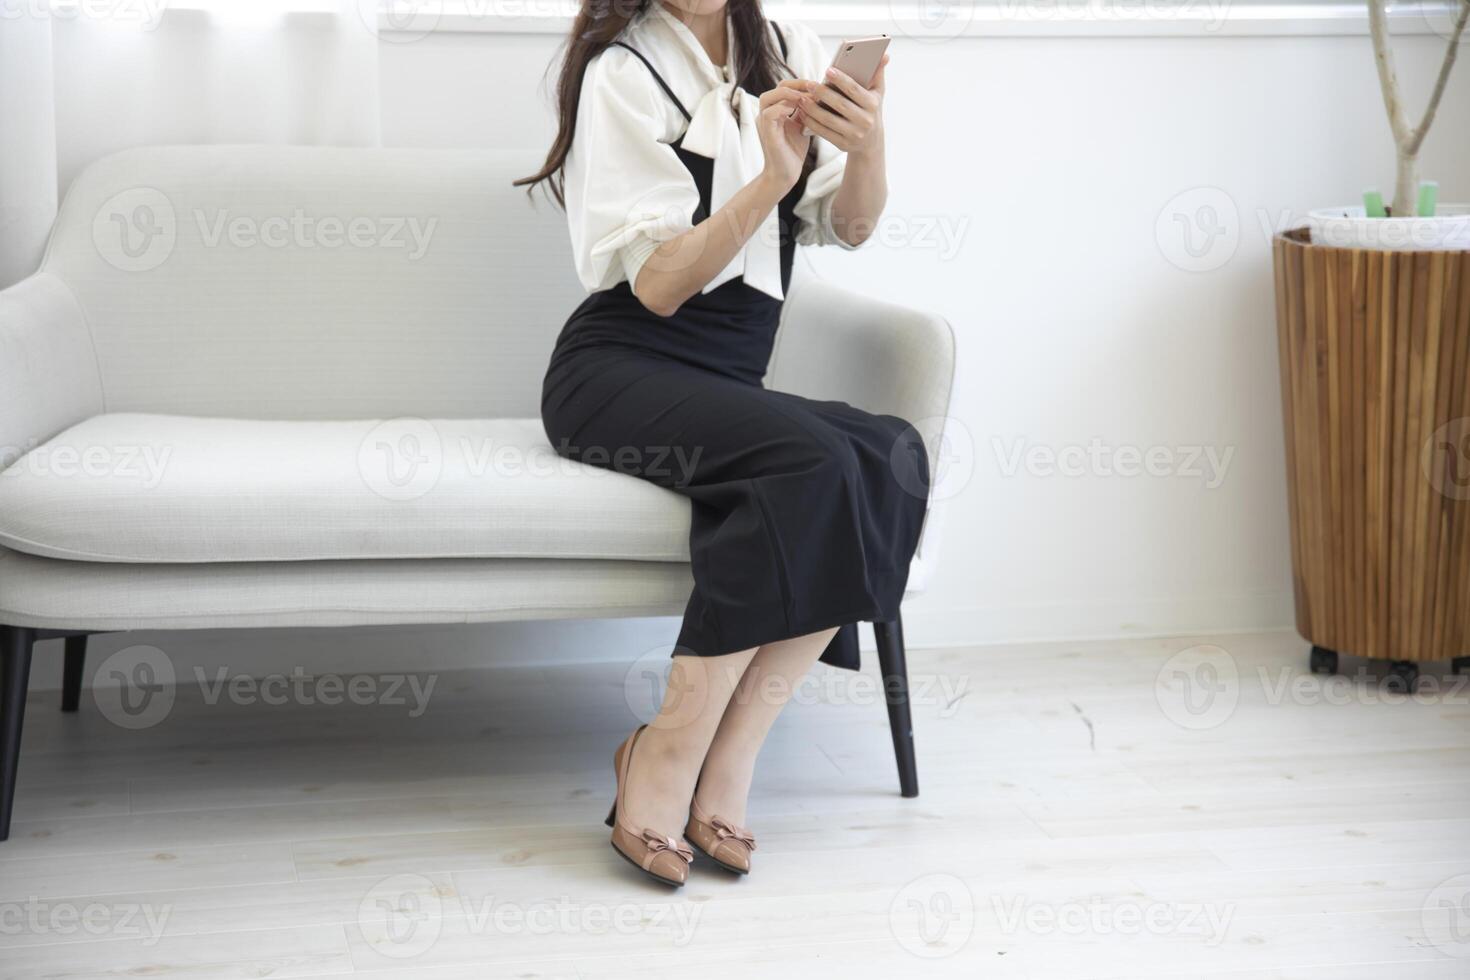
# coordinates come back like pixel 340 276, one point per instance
pixel 768 684
pixel 663 771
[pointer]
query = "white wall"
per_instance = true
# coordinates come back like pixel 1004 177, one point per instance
pixel 1053 158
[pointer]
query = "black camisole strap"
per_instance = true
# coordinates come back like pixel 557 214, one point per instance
pixel 780 41
pixel 657 78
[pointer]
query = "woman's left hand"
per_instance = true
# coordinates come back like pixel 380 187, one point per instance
pixel 844 113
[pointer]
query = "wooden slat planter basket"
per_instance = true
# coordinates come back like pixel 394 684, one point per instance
pixel 1375 389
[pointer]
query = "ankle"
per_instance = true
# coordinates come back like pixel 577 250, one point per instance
pixel 723 791
pixel 671 750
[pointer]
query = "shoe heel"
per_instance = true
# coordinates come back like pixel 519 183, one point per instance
pixel 612 814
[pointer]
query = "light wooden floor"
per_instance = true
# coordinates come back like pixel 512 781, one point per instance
pixel 1078 819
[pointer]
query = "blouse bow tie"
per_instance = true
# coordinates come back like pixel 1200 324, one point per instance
pixel 735 147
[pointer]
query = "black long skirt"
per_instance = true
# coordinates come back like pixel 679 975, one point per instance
pixel 805 514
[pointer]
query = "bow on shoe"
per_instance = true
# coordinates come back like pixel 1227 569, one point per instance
pixel 662 842
pixel 725 830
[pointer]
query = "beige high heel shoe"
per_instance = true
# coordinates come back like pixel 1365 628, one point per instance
pixel 719 840
pixel 661 856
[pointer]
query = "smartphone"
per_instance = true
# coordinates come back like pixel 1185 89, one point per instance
pixel 859 59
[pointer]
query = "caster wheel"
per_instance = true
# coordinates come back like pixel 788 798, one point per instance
pixel 1323 660
pixel 1460 665
pixel 1403 677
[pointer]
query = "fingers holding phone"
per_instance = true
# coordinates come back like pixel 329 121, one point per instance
pixel 846 108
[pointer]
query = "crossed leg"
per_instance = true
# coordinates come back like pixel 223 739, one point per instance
pixel 765 688
pixel 709 730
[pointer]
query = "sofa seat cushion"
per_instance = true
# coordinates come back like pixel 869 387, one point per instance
pixel 170 489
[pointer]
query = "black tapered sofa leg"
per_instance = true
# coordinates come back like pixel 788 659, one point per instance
pixel 15 676
pixel 73 668
pixel 895 669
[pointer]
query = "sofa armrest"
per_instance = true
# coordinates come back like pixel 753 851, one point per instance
pixel 49 378
pixel 837 345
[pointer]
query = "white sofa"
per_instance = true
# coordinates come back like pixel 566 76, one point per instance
pixel 255 386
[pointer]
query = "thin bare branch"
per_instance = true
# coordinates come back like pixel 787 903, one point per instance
pixel 1416 138
pixel 1387 78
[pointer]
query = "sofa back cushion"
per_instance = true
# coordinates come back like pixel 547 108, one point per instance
pixel 316 283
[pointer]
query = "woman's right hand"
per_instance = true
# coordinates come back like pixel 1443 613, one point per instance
pixel 781 137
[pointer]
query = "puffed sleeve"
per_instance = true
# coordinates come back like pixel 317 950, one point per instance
pixel 809 58
pixel 626 190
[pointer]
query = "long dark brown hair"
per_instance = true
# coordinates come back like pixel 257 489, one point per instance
pixel 758 67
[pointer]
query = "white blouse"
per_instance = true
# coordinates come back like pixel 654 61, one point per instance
pixel 626 189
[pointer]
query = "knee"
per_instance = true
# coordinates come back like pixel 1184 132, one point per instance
pixel 828 461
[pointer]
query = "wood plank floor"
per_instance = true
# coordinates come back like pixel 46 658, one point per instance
pixel 1156 808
